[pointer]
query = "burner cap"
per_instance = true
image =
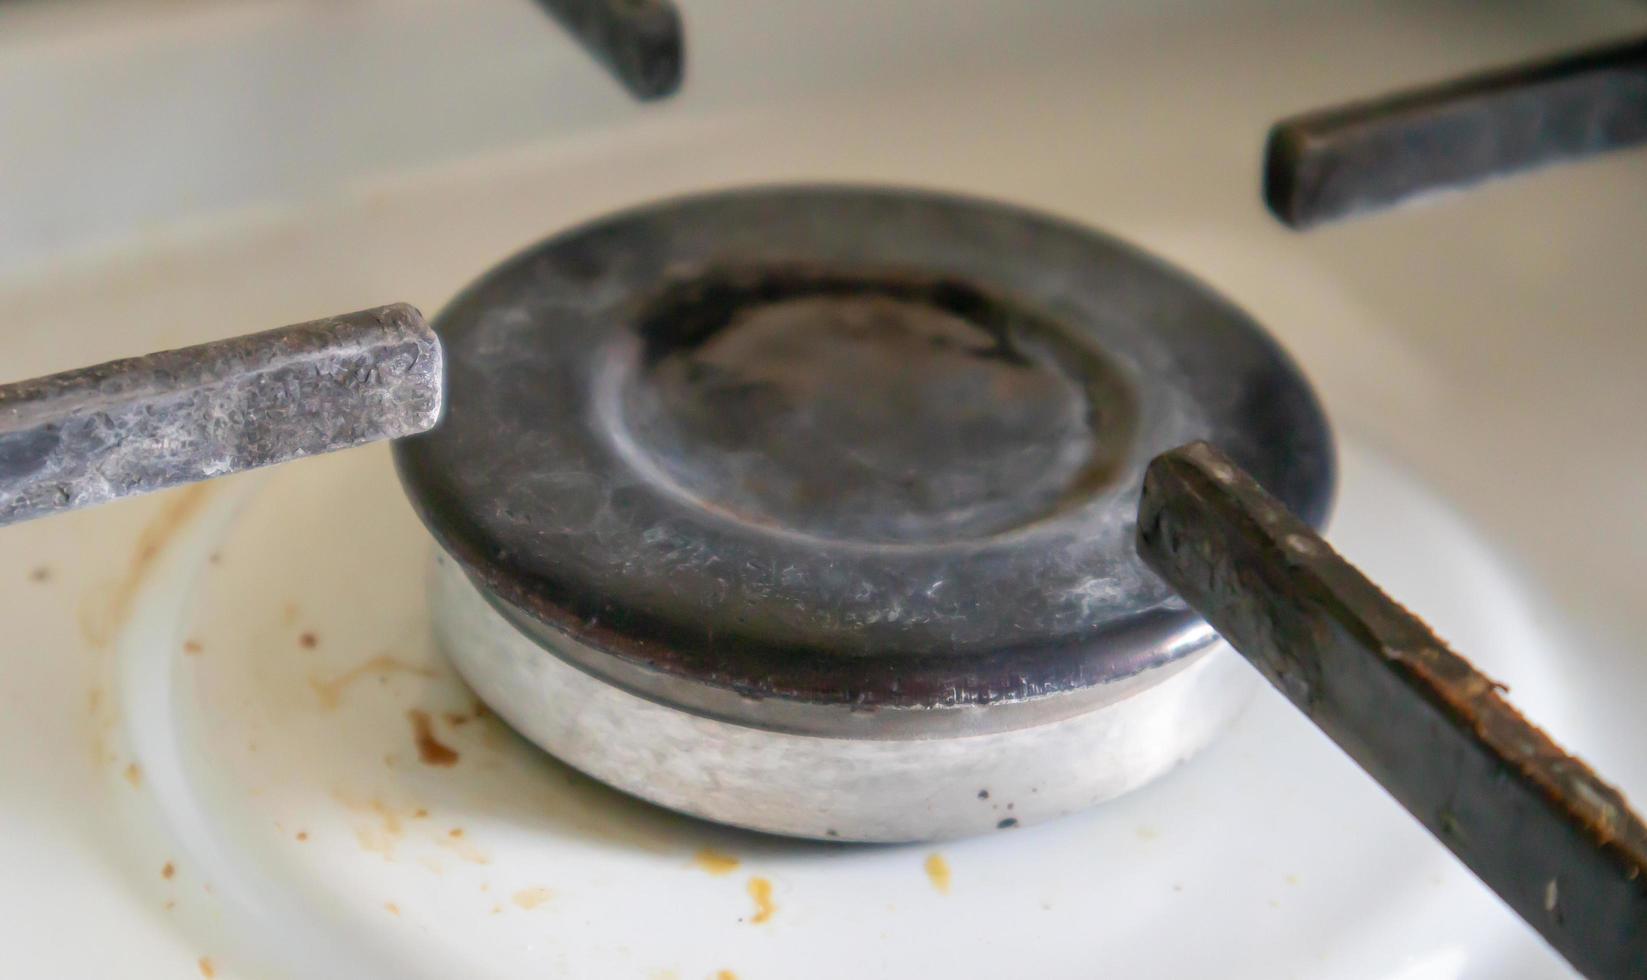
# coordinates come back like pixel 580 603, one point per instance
pixel 843 446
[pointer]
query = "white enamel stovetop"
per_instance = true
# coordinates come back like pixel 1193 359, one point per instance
pixel 207 758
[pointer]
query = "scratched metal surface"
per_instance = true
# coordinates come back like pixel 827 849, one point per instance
pixel 147 423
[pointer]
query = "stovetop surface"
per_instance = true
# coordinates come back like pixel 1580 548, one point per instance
pixel 165 710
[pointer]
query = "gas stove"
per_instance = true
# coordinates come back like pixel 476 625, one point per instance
pixel 233 749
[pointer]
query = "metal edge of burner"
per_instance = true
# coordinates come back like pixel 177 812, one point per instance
pixel 870 788
pixel 825 719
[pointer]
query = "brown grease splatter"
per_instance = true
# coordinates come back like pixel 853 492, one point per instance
pixel 380 837
pixel 330 692
pixel 99 625
pixel 430 749
pixel 206 967
pixel 937 872
pixel 41 574
pixel 391 908
pixel 531 898
pixel 761 891
pixel 308 640
pixel 192 647
pixel 715 862
pixel 464 849
pixel 167 870
pixel 726 975
pixel 302 835
pixel 134 774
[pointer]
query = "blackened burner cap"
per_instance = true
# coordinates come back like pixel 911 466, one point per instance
pixel 844 445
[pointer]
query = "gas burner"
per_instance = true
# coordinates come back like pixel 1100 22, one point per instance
pixel 806 509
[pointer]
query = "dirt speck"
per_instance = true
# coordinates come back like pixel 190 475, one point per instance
pixel 171 904
pixel 391 908
pixel 1008 822
pixel 308 640
pixel 302 835
pixel 430 749
pixel 40 574
pixel 715 862
pixel 192 647
pixel 937 872
pixel 455 832
pixel 206 968
pixel 531 898
pixel 134 774
pixel 330 693
pixel 761 891
pixel 983 794
pixel 167 870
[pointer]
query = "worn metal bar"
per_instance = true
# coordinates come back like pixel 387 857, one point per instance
pixel 639 41
pixel 1369 155
pixel 1560 846
pixel 146 423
